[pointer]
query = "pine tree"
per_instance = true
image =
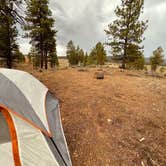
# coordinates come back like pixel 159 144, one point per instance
pixel 92 57
pixel 81 56
pixel 40 29
pixel 75 55
pixel 125 33
pixel 50 53
pixel 11 7
pixel 85 62
pixel 98 55
pixel 71 53
pixel 8 31
pixel 18 56
pixel 53 59
pixel 157 58
pixel 34 58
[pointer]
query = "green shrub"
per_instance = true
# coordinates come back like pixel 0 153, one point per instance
pixel 157 58
pixel 137 63
pixel 162 70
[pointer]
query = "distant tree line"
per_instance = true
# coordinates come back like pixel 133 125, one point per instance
pixel 77 56
pixel 125 37
pixel 39 25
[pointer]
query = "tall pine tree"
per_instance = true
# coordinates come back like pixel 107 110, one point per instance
pixel 11 7
pixel 71 53
pixel 125 33
pixel 8 18
pixel 40 30
pixel 53 59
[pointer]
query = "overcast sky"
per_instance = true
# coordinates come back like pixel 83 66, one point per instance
pixel 84 21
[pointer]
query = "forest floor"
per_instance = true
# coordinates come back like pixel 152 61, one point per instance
pixel 118 121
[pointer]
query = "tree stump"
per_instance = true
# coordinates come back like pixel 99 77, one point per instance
pixel 99 75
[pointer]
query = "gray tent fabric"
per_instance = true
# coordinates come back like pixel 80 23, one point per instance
pixel 4 131
pixel 54 119
pixel 55 151
pixel 13 99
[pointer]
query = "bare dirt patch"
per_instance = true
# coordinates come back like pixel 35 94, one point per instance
pixel 120 120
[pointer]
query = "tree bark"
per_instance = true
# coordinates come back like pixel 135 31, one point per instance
pixel 42 59
pixel 125 54
pixel 9 52
pixel 41 52
pixel 46 60
pixel 9 60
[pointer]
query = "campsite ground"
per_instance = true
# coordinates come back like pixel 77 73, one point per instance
pixel 118 121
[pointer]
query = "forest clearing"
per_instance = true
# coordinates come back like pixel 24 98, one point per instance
pixel 82 83
pixel 120 119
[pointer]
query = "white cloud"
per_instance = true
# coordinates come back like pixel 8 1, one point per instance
pixel 61 50
pixel 24 46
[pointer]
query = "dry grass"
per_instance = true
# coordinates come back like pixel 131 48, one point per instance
pixel 120 120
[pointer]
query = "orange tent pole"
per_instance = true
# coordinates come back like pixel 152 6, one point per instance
pixel 13 136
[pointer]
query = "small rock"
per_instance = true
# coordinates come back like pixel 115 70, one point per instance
pixel 99 75
pixel 63 119
pixel 109 120
pixel 142 163
pixel 142 139
pixel 75 154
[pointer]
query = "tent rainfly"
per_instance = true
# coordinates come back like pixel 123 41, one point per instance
pixel 31 132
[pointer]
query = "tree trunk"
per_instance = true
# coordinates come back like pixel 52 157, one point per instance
pixel 46 60
pixel 123 63
pixel 9 52
pixel 9 60
pixel 125 54
pixel 41 52
pixel 41 60
pixel 124 59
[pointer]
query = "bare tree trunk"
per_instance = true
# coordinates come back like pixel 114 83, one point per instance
pixel 9 51
pixel 9 60
pixel 41 52
pixel 46 60
pixel 42 60
pixel 125 54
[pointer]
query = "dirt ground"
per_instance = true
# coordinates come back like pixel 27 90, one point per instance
pixel 118 121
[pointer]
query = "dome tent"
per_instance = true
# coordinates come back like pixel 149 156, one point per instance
pixel 31 132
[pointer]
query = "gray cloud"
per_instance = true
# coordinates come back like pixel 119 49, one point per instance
pixel 156 33
pixel 84 22
pixel 151 3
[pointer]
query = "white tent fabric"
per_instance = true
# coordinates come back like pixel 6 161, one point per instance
pixel 33 147
pixel 35 94
pixel 6 155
